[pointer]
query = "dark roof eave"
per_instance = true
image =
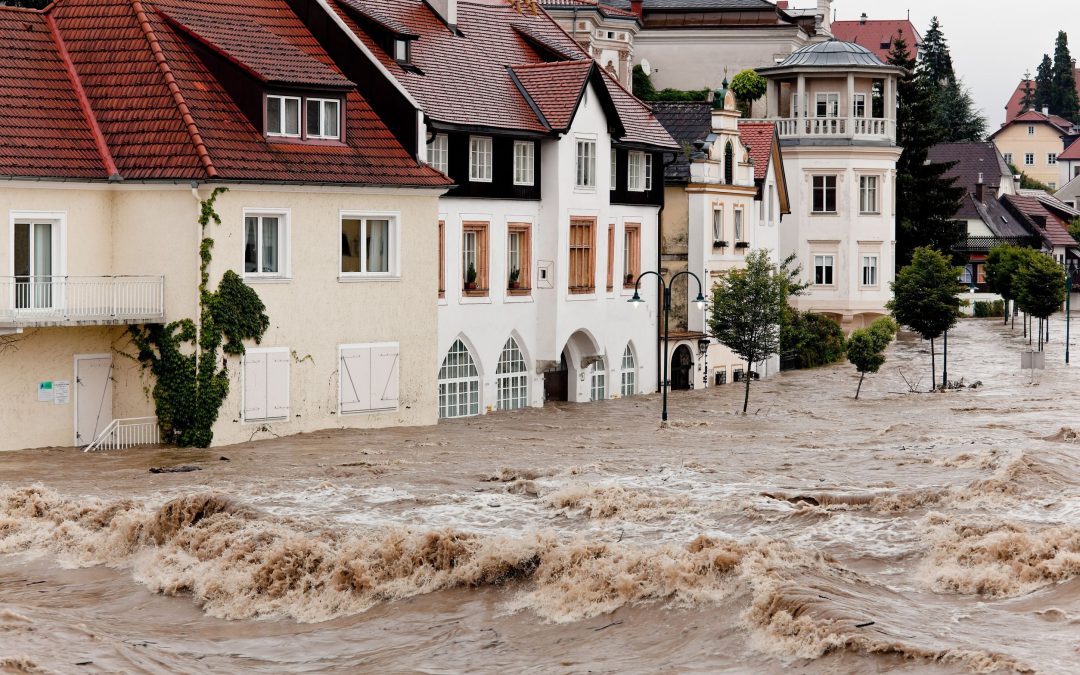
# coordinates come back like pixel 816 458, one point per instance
pixel 489 130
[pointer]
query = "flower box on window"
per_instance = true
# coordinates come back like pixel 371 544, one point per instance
pixel 742 244
pixel 719 243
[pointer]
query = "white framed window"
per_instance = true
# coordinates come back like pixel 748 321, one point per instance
pixel 512 378
pixel 828 105
pixel 439 153
pixel 38 241
pixel 869 270
pixel 860 105
pixel 401 50
pixel 1051 158
pixel 718 224
pixel 1008 158
pixel 283 116
pixel 524 164
pixel 459 383
pixel 740 235
pixel 369 245
pixel 1029 159
pixel 824 194
pixel 823 270
pixel 586 164
pixel 868 194
pixel 368 377
pixel 266 383
pixel 635 172
pixel 266 243
pixel 480 159
pixel 614 169
pixel 598 381
pixel 1031 130
pixel 648 172
pixel 628 384
pixel 323 118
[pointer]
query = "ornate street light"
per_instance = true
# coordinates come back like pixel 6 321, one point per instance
pixel 666 286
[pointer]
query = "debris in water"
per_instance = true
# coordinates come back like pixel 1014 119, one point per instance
pixel 864 625
pixel 184 468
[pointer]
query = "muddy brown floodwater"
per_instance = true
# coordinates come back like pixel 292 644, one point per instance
pixel 902 532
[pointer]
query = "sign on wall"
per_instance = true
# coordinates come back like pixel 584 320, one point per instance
pixel 61 392
pixel 45 392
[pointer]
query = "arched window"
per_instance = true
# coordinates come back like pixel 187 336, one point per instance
pixel 729 164
pixel 629 373
pixel 598 388
pixel 512 378
pixel 459 383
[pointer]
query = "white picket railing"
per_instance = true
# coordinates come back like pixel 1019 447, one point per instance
pixel 864 128
pixel 127 433
pixel 56 299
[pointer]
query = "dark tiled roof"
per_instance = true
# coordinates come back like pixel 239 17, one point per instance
pixel 641 126
pixel 164 115
pixel 1054 233
pixel 996 217
pixel 873 33
pixel 605 8
pixel 698 5
pixel 759 137
pixel 555 88
pixel 687 122
pixel 972 159
pixel 44 131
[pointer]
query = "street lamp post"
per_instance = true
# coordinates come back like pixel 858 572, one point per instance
pixel 666 286
pixel 1068 310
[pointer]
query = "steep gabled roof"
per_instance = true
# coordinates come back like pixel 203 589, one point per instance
pixel 1040 220
pixel 1072 152
pixel 876 35
pixel 1058 123
pixel 972 158
pixel 687 122
pixel 555 89
pixel 142 88
pixel 1012 107
pixel 759 138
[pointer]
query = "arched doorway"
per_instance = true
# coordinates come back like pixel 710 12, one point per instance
pixel 556 382
pixel 459 383
pixel 512 378
pixel 682 365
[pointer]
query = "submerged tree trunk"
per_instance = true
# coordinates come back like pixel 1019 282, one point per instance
pixel 862 376
pixel 933 367
pixel 1006 311
pixel 945 362
pixel 746 396
pixel 1040 333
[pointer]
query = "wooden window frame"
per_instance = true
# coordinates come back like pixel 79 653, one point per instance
pixel 482 264
pixel 631 254
pixel 587 271
pixel 442 259
pixel 525 254
pixel 611 257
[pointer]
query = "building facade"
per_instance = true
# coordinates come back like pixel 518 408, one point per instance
pixel 1032 142
pixel 326 217
pixel 603 30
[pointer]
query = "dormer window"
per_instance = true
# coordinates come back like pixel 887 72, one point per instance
pixel 401 50
pixel 304 118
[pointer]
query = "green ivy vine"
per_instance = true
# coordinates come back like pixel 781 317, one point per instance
pixel 190 387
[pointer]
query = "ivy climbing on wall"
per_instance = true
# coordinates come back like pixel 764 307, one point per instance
pixel 190 383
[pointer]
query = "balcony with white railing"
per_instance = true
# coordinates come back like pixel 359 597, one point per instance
pixel 856 129
pixel 29 301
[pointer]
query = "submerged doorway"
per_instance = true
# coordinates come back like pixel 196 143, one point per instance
pixel 682 365
pixel 93 396
pixel 556 382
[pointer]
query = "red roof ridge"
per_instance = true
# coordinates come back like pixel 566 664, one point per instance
pixel 80 94
pixel 174 89
pixel 551 64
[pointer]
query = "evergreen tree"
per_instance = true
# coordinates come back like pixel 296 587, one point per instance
pixel 1064 100
pixel 1044 83
pixel 955 116
pixel 936 57
pixel 1027 101
pixel 926 200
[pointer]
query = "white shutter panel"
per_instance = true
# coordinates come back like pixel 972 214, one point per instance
pixel 255 386
pixel 354 379
pixel 277 384
pixel 384 377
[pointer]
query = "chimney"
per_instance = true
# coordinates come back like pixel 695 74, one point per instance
pixel 979 189
pixel 862 19
pixel 1046 110
pixel 446 9
pixel 636 8
pixel 781 4
pixel 825 10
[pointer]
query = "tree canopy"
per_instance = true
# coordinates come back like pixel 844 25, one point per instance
pixel 955 117
pixel 866 347
pixel 1039 284
pixel 1064 100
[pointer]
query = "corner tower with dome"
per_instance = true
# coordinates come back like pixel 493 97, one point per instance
pixel 834 106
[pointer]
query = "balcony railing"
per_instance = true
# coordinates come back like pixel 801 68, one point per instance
pixel 55 300
pixel 980 243
pixel 836 128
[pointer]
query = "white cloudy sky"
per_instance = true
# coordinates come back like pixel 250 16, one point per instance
pixel 992 41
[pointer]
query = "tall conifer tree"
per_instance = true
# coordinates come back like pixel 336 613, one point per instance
pixel 1044 83
pixel 955 116
pixel 1064 100
pixel 926 201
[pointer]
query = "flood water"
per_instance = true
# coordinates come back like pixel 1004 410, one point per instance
pixel 901 532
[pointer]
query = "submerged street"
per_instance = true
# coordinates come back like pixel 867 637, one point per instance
pixel 901 532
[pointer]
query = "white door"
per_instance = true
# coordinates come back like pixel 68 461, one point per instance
pixel 93 396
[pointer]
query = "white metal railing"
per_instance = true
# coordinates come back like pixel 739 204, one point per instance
pixel 56 299
pixel 869 128
pixel 127 433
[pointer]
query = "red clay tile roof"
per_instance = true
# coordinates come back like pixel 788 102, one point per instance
pixel 464 78
pixel 44 132
pixel 1072 152
pixel 162 113
pixel 1055 233
pixel 555 88
pixel 1012 107
pixel 267 56
pixel 1060 124
pixel 759 137
pixel 873 33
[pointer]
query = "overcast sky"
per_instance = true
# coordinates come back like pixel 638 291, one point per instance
pixel 992 41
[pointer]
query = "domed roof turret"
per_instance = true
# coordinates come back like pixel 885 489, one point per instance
pixel 832 54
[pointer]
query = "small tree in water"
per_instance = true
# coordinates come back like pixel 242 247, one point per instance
pixel 746 310
pixel 1040 287
pixel 1001 267
pixel 925 298
pixel 866 347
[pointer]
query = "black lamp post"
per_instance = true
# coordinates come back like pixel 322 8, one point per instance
pixel 666 286
pixel 1069 272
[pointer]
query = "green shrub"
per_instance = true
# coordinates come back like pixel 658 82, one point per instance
pixel 809 340
pixel 983 309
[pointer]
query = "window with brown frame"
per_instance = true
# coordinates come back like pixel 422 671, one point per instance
pixel 518 258
pixel 582 259
pixel 474 259
pixel 631 254
pixel 611 257
pixel 442 258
